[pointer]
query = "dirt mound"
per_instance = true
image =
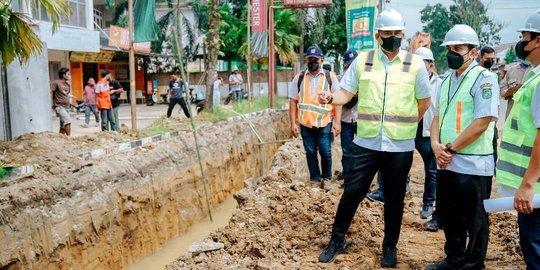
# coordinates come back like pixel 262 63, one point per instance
pixel 282 223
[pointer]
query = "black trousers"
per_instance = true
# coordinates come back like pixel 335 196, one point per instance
pixel 182 103
pixel 462 214
pixel 364 163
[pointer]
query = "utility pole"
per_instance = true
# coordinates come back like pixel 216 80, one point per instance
pixel 271 56
pixel 248 55
pixel 132 90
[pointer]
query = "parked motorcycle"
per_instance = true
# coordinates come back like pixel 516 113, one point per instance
pixel 197 99
pixel 230 96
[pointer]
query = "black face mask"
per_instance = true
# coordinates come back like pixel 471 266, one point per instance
pixel 455 60
pixel 391 44
pixel 488 63
pixel 313 65
pixel 520 49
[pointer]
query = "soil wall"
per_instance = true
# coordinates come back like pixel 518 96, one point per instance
pixel 104 213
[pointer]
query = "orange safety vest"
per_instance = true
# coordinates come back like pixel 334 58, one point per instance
pixel 311 112
pixel 104 95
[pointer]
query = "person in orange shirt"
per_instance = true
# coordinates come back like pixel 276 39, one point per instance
pixel 103 94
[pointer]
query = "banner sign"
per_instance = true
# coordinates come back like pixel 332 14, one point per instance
pixel 120 37
pixel 306 3
pixel 259 22
pixel 100 57
pixel 360 16
pixel 259 28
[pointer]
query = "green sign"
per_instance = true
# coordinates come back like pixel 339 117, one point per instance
pixel 361 24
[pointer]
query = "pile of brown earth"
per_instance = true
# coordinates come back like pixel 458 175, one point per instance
pixel 282 223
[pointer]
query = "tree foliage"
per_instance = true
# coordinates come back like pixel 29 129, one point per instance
pixel 17 39
pixel 438 20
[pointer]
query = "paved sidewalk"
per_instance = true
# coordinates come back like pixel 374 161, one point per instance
pixel 145 116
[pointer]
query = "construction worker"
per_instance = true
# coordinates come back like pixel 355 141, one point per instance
pixel 315 122
pixel 519 163
pixel 422 141
pixel 461 137
pixel 487 57
pixel 393 94
pixel 512 81
pixel 349 113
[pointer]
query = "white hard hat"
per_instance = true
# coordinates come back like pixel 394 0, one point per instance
pixel 461 34
pixel 389 20
pixel 532 24
pixel 425 53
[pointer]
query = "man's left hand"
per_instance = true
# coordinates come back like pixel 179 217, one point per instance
pixel 523 199
pixel 336 129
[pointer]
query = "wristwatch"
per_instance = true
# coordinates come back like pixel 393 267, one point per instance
pixel 449 149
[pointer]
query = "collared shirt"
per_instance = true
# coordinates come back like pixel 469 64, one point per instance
pixel 349 115
pixel 514 75
pixel 382 142
pixel 484 106
pixel 435 83
pixel 505 190
pixel 238 79
pixel 313 82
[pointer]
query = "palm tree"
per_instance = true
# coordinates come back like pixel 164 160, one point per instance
pixel 17 39
pixel 285 40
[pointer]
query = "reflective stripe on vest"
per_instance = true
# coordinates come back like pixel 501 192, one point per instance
pixel 387 101
pixel 311 112
pixel 457 113
pixel 518 138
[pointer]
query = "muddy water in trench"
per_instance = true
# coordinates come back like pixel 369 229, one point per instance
pixel 179 245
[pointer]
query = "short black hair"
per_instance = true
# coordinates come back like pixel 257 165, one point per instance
pixel 62 71
pixel 486 49
pixel 104 72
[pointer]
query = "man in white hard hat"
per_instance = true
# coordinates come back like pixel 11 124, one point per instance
pixel 422 141
pixel 462 132
pixel 519 163
pixel 393 94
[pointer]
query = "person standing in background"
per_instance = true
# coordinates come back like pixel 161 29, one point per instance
pixel 116 90
pixel 90 101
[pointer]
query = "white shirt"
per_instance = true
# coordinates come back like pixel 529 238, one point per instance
pixel 435 82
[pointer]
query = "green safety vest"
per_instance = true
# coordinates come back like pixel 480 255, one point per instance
pixel 518 138
pixel 387 100
pixel 456 113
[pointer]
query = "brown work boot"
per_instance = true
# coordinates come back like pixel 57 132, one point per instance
pixel 317 183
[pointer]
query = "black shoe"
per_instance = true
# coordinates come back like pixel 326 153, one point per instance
pixel 470 266
pixel 443 265
pixel 389 257
pixel 376 197
pixel 433 225
pixel 332 250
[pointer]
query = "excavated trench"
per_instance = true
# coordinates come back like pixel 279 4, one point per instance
pixel 108 211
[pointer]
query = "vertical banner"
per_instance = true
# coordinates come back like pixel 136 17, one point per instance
pixel 360 15
pixel 259 28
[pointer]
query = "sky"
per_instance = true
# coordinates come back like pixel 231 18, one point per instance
pixel 512 13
